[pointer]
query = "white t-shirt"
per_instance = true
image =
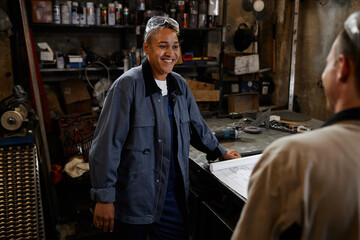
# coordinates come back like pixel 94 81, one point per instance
pixel 163 86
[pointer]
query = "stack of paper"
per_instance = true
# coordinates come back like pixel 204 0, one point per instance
pixel 235 173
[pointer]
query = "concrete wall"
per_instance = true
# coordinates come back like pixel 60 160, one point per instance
pixel 319 26
pixel 319 23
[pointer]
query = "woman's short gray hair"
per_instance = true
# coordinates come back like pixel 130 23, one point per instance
pixel 160 22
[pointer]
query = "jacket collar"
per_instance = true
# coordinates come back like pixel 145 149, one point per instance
pixel 150 85
pixel 348 114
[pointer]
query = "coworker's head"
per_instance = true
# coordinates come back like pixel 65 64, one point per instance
pixel 341 76
pixel 161 45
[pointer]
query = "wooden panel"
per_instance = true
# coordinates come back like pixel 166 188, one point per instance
pixel 6 82
pixel 206 95
pixel 243 102
pixel 196 85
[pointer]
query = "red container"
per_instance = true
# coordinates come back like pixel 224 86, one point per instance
pixel 185 18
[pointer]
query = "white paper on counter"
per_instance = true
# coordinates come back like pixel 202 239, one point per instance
pixel 235 173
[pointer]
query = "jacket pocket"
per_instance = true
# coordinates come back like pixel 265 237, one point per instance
pixel 138 151
pixel 143 120
pixel 141 134
pixel 137 197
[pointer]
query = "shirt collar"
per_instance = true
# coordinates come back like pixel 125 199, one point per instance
pixel 150 85
pixel 348 114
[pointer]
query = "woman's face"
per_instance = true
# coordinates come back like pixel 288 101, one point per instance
pixel 163 52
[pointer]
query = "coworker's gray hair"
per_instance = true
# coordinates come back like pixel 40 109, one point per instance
pixel 349 42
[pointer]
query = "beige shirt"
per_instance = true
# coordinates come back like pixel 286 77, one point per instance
pixel 312 179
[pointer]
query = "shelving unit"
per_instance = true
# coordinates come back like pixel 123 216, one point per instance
pixel 104 40
pixel 70 32
pixel 192 40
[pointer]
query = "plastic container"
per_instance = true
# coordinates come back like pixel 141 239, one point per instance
pixel 104 15
pixel 75 19
pixel 98 13
pixel 65 13
pixel 90 13
pixel 203 14
pixel 193 19
pixel 82 13
pixel 118 14
pixel 111 14
pixel 56 13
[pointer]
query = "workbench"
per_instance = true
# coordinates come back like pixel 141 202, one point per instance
pixel 214 207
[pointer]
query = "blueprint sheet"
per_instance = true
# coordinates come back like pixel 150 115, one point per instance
pixel 235 173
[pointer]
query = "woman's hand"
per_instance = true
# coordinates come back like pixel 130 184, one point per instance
pixel 104 216
pixel 231 154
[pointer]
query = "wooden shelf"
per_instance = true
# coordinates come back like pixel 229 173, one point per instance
pixel 199 65
pixel 67 26
pixel 50 70
pixel 132 27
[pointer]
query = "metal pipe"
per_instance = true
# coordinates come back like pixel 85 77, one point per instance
pixel 222 48
pixel 293 55
pixel 34 82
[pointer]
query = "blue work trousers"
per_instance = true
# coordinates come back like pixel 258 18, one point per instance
pixel 171 226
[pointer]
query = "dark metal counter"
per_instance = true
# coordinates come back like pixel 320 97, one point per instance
pixel 247 142
pixel 214 207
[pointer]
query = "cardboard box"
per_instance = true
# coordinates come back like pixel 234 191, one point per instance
pixel 238 63
pixel 76 96
pixel 243 102
pixel 42 11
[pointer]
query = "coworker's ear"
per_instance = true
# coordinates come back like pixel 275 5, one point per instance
pixel 344 68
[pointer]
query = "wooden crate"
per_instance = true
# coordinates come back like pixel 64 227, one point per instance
pixel 243 102
pixel 196 85
pixel 204 92
pixel 206 95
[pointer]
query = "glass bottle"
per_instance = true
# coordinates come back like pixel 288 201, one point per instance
pixel 140 12
pixel 213 13
pixel 193 20
pixel 202 14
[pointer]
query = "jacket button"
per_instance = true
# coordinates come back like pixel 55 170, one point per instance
pixel 157 180
pixel 159 140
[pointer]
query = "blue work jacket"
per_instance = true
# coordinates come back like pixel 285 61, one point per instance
pixel 130 153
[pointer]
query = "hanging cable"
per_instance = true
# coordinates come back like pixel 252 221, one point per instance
pixel 98 62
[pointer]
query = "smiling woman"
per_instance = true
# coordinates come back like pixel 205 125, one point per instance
pixel 162 51
pixel 139 158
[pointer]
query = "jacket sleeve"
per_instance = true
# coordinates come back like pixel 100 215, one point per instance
pixel 110 135
pixel 201 136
